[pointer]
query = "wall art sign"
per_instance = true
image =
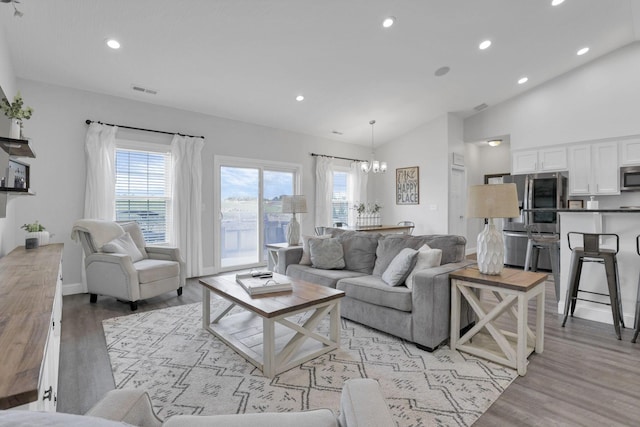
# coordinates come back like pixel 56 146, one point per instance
pixel 407 186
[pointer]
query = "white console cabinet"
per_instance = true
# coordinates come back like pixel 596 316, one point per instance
pixel 543 160
pixel 31 314
pixel 593 169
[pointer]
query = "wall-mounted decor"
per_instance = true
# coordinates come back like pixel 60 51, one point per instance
pixel 407 186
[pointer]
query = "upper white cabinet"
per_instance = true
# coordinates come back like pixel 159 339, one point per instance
pixel 630 152
pixel 593 169
pixel 542 160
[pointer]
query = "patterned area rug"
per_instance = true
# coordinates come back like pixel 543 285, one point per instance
pixel 186 370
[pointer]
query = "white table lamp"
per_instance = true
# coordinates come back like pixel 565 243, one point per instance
pixel 492 201
pixel 293 205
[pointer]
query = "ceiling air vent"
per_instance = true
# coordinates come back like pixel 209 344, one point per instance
pixel 141 89
pixel 336 132
pixel 480 107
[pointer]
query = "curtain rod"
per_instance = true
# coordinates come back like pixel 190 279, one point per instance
pixel 142 129
pixel 336 157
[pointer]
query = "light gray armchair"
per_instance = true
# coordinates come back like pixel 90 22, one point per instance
pixel 123 267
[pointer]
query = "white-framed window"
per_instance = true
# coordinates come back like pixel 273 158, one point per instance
pixel 340 196
pixel 143 188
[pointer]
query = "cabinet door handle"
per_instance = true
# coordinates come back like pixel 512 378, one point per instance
pixel 541 165
pixel 48 393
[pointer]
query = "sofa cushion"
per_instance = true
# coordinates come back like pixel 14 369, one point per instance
pixel 123 245
pixel 313 418
pixel 359 250
pixel 326 254
pixel 319 277
pixel 374 290
pixel 426 258
pixel 306 254
pixel 400 267
pixel 390 245
pixel 151 270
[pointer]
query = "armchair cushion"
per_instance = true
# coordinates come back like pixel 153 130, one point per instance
pixel 152 270
pixel 123 245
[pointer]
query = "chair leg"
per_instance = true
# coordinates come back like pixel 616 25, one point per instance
pixel 93 298
pixel 609 265
pixel 554 256
pixel 180 291
pixel 574 279
pixel 574 295
pixel 535 254
pixel 527 258
pixel 615 264
pixel 134 305
pixel 637 318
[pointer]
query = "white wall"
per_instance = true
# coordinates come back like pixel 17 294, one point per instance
pixel 597 101
pixel 427 148
pixel 58 130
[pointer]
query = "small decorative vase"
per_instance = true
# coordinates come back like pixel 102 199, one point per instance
pixel 42 236
pixel 15 130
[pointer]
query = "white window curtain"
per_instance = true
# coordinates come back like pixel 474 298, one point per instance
pixel 324 191
pixel 100 149
pixel 187 201
pixel 357 188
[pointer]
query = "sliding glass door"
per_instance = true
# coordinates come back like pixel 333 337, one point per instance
pixel 250 210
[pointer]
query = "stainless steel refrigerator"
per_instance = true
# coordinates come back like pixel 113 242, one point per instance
pixel 535 191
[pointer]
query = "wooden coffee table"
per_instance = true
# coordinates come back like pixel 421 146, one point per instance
pixel 263 333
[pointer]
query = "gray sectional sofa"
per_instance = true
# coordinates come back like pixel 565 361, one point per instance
pixel 420 313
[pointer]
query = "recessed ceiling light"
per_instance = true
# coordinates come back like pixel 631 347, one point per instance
pixel 556 2
pixel 113 44
pixel 388 21
pixel 485 44
pixel 494 142
pixel 299 98
pixel 583 51
pixel 523 80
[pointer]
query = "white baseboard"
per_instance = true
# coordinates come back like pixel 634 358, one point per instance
pixel 208 271
pixel 597 314
pixel 72 289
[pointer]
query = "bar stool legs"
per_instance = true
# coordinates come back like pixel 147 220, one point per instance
pixel 533 253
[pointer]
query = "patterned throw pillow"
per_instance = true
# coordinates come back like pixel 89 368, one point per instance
pixel 427 258
pixel 326 254
pixel 400 267
pixel 123 245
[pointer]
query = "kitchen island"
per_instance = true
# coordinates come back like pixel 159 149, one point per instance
pixel 626 224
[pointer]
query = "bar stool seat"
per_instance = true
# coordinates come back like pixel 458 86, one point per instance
pixel 550 242
pixel 592 252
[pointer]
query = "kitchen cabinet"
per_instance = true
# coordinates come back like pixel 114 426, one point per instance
pixel 593 169
pixel 630 152
pixel 543 160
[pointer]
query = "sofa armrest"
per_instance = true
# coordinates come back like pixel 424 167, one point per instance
pixel 288 256
pixel 431 300
pixel 362 405
pixel 131 406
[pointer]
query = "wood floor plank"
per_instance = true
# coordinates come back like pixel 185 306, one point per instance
pixel 585 376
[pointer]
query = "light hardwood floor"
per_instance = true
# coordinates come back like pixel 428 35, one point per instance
pixel 584 377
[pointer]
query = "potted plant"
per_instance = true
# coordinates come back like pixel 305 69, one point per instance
pixel 16 113
pixel 37 231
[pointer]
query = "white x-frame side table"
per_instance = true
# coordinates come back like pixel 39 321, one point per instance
pixel 512 289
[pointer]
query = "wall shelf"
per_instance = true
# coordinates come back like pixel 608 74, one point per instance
pixel 17 147
pixel 17 191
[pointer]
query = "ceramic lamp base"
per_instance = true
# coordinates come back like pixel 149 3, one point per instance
pixel 490 250
pixel 293 232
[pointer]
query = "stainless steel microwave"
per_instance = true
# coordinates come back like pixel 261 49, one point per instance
pixel 630 178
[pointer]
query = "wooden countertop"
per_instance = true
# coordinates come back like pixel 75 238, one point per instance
pixel 27 290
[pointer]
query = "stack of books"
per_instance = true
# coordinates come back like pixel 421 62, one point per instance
pixel 263 282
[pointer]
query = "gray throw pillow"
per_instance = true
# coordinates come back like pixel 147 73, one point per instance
pixel 390 245
pixel 400 267
pixel 326 254
pixel 359 251
pixel 123 245
pixel 306 255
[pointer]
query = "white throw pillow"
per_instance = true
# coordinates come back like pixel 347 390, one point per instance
pixel 400 267
pixel 306 253
pixel 426 258
pixel 123 245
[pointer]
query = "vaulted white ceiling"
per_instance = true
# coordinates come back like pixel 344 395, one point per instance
pixel 248 59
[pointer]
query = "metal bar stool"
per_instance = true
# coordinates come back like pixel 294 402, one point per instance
pixel 591 252
pixel 550 242
pixel 637 319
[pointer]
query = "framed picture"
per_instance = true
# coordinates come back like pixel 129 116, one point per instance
pixel 576 204
pixel 408 186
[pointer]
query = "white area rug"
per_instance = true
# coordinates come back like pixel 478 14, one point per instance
pixel 186 370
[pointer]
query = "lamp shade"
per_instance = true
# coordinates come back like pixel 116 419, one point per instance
pixel 294 204
pixel 493 201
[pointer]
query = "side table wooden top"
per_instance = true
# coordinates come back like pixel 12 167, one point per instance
pixel 510 278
